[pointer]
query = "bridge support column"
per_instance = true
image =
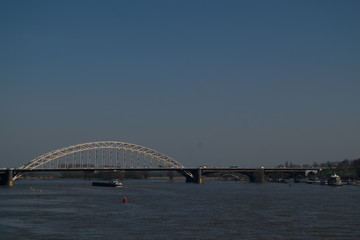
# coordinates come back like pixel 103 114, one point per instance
pixel 258 176
pixel 6 178
pixel 197 173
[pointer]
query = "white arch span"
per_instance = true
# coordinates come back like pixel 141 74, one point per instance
pixel 133 148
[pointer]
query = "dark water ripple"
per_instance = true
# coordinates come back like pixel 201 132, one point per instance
pixel 175 210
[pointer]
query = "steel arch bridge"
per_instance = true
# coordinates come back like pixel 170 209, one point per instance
pixel 102 155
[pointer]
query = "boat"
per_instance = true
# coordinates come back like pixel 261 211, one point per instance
pixel 334 180
pixel 113 183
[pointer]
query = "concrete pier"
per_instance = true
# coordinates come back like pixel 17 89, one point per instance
pixel 197 173
pixel 6 177
pixel 258 176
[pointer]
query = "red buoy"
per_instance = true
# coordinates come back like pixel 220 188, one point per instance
pixel 124 200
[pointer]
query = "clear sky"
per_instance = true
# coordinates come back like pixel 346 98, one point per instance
pixel 247 83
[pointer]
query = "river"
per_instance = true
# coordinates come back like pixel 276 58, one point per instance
pixel 159 209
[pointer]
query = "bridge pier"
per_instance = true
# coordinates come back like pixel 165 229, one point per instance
pixel 6 177
pixel 197 173
pixel 257 176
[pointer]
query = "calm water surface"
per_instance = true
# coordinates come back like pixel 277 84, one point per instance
pixel 176 210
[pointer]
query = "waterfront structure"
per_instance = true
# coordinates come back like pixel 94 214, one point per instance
pixel 125 157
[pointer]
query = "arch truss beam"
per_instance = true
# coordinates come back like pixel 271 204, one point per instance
pixel 83 148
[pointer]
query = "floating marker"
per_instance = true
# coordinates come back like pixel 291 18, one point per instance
pixel 124 200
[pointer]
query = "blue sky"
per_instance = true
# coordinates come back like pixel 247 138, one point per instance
pixel 247 83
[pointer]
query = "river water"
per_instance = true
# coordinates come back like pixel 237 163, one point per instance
pixel 175 210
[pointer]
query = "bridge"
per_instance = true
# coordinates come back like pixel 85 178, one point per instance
pixel 121 156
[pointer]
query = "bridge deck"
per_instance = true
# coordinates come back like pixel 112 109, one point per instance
pixel 208 170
